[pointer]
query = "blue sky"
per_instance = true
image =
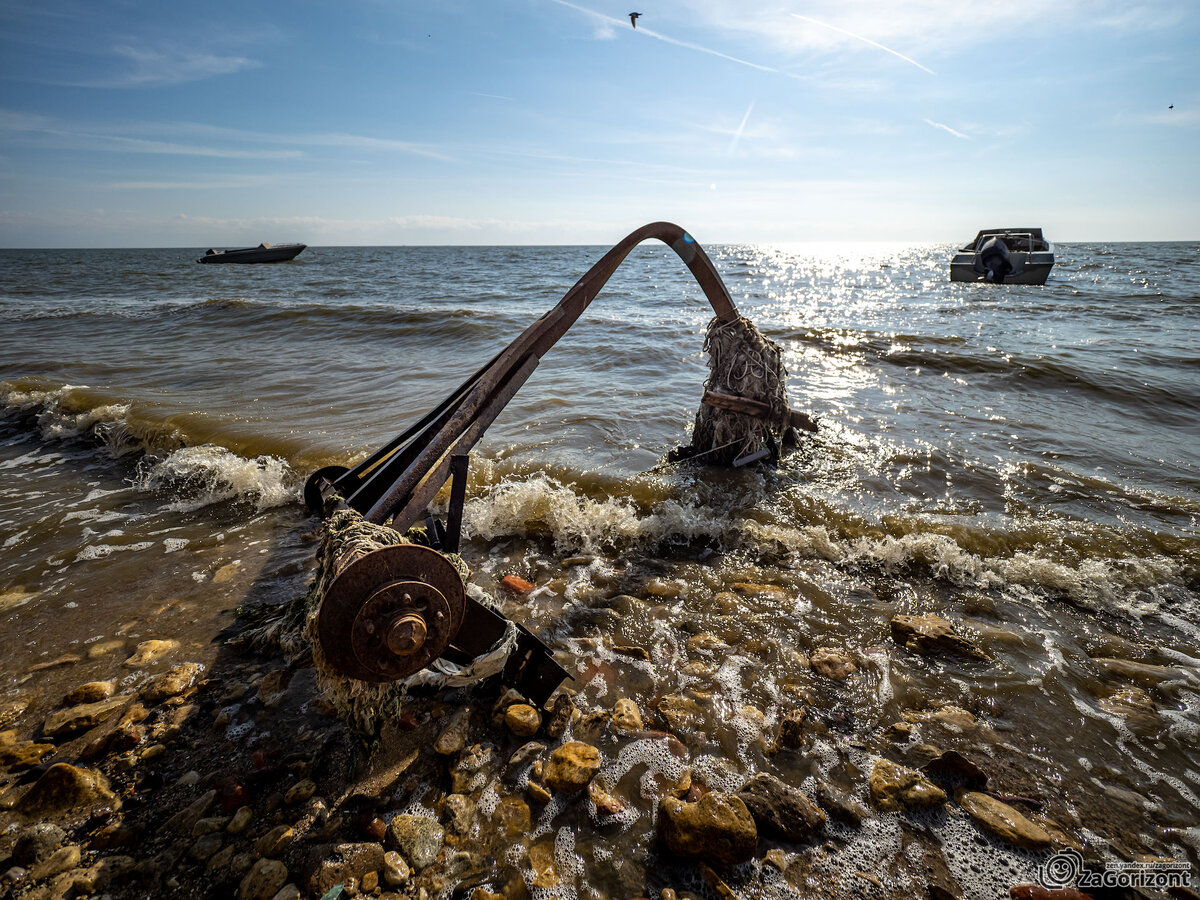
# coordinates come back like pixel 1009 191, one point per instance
pixel 548 121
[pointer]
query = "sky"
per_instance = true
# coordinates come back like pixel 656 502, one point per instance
pixel 384 122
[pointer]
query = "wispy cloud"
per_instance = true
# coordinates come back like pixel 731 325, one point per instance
pixel 196 139
pixel 948 129
pixel 144 67
pixel 865 40
pixel 649 33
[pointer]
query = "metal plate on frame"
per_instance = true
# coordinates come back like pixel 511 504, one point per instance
pixel 374 593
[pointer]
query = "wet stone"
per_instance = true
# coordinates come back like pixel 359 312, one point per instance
pixel 299 792
pixel 61 860
pixel 453 736
pixel 895 787
pixel 839 805
pixel 206 846
pixel 240 821
pixel 150 651
pixel 559 712
pixel 23 754
pixel 76 719
pixel 524 755
pixel 512 815
pixel 65 790
pixel 1144 674
pixel 632 651
pixel 172 683
pixel 571 767
pixel 470 773
pixel 522 720
pixel 91 692
pixel 932 635
pixel 833 664
pixel 718 828
pixel 791 729
pixel 395 870
pixel 682 714
pixel 780 809
pixel 263 880
pixel 458 813
pixel 36 843
pixel 275 842
pixel 1002 821
pixel 11 710
pixel 417 838
pixel 626 716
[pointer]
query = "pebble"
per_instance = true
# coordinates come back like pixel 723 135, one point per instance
pixel 240 821
pixel 300 791
pixel 76 719
pixel 454 736
pixel 571 767
pixel 37 843
pixel 150 651
pixel 209 825
pixel 418 839
pixel 524 755
pixel 91 692
pixel 66 790
pixel 780 809
pixel 833 664
pixel 11 710
pixel 559 713
pixel 895 787
pixel 522 720
pixel 516 584
pixel 395 870
pixel 206 846
pixel 1002 821
pixel 930 634
pixel 263 881
pixel 287 892
pixel 718 827
pixel 275 842
pixel 103 648
pixel 627 716
pixel 171 683
pixel 56 863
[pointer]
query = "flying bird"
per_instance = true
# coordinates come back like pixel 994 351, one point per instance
pixel 1172 106
pixel 633 17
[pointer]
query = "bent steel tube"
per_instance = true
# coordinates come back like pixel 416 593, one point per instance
pixel 385 485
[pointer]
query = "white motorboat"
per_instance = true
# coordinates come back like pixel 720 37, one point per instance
pixel 1004 256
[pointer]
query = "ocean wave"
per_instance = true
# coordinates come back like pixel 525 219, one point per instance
pixel 543 507
pixel 208 474
pixel 196 475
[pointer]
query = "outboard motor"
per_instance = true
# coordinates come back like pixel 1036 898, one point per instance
pixel 994 260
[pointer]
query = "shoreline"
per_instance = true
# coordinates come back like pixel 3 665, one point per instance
pixel 237 779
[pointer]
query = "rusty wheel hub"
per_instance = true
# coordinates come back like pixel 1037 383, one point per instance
pixel 391 613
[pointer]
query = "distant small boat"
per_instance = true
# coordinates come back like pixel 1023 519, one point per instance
pixel 1004 256
pixel 263 253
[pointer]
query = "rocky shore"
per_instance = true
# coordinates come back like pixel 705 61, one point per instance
pixel 236 779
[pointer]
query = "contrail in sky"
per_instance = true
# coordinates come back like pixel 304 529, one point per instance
pixel 947 128
pixel 669 40
pixel 859 37
pixel 738 136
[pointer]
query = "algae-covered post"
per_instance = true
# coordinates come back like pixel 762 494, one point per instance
pixel 383 608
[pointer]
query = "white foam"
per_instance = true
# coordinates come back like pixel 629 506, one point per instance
pixel 211 474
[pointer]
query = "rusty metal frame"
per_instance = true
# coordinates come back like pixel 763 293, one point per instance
pixel 398 481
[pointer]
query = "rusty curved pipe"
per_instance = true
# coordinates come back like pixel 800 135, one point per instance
pixel 460 421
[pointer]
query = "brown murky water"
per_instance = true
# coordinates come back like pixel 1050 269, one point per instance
pixel 1021 461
